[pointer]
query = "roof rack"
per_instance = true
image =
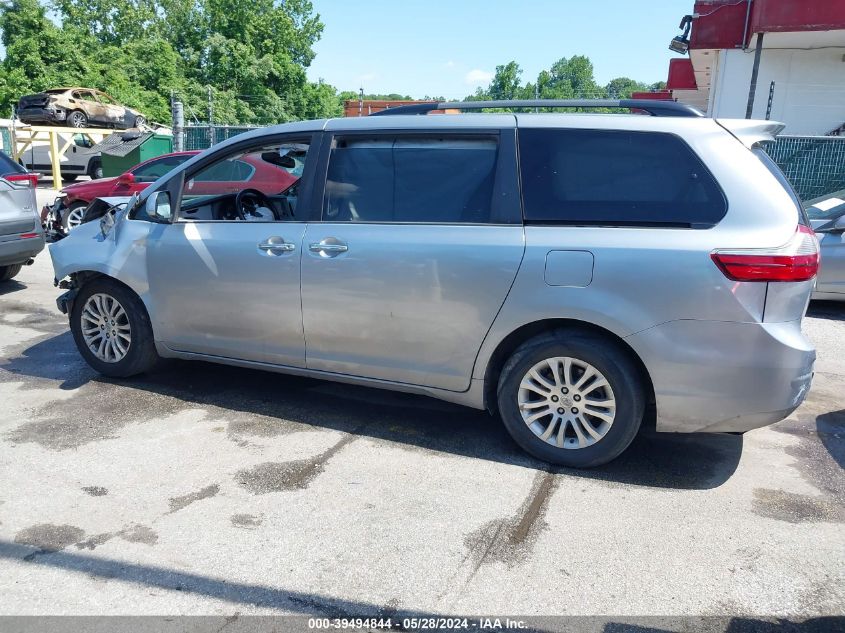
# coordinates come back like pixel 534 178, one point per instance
pixel 653 107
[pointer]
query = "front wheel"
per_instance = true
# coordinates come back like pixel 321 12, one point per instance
pixel 73 216
pixel 571 399
pixel 112 330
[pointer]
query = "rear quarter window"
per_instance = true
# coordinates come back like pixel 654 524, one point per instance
pixel 615 178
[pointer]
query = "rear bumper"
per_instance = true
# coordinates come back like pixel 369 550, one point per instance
pixel 42 115
pixel 715 376
pixel 14 250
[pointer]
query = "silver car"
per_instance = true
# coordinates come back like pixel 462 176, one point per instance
pixel 21 235
pixel 568 272
pixel 828 221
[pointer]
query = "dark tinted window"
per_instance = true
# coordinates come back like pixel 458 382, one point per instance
pixel 153 170
pixel 615 178
pixel 8 166
pixel 422 179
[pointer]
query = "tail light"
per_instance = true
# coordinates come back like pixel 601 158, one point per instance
pixel 22 180
pixel 798 260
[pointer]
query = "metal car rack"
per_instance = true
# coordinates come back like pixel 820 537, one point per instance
pixel 651 106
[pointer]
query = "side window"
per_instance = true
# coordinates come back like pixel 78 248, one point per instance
pixel 411 179
pixel 616 178
pixel 258 185
pixel 80 140
pixel 153 170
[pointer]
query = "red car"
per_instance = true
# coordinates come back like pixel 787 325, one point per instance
pixel 79 195
pixel 262 175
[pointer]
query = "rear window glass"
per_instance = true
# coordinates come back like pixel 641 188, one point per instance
pixel 8 166
pixel 615 178
pixel 771 165
pixel 413 179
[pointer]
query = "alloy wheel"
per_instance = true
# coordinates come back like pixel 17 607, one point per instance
pixel 74 217
pixel 105 328
pixel 566 402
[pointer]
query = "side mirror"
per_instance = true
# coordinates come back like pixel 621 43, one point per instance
pixel 126 179
pixel 835 226
pixel 157 206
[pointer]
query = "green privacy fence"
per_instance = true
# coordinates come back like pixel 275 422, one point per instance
pixel 815 165
pixel 5 140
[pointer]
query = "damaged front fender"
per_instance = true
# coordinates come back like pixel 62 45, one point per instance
pixel 120 254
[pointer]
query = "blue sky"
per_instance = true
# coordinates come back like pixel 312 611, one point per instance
pixel 448 48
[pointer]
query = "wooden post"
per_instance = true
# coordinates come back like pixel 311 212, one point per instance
pixel 55 160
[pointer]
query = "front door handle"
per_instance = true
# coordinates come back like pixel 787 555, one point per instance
pixel 328 247
pixel 276 246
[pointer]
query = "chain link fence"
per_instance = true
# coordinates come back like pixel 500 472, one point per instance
pixel 815 165
pixel 204 136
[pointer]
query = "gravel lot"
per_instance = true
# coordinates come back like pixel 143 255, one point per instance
pixel 204 489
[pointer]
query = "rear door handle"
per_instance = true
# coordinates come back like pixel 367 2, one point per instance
pixel 328 248
pixel 276 246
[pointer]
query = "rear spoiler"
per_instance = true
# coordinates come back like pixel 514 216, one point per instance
pixel 749 132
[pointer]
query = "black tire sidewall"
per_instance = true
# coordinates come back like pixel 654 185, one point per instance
pixel 141 355
pixel 617 367
pixel 8 272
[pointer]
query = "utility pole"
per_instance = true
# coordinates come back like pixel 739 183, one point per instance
pixel 210 118
pixel 178 127
pixel 749 108
pixel 361 101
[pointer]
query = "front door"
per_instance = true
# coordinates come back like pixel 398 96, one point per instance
pixel 224 276
pixel 419 241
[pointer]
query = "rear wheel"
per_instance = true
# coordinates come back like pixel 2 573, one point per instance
pixel 8 272
pixel 77 118
pixel 69 177
pixel 571 399
pixel 112 330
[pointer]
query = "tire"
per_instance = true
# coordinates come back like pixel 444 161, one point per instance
pixel 576 447
pixel 69 177
pixel 73 216
pixel 95 169
pixel 140 120
pixel 8 272
pixel 77 118
pixel 139 353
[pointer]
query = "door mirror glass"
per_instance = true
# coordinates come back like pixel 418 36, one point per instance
pixel 158 206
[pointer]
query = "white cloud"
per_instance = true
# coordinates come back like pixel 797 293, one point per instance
pixel 449 64
pixel 478 77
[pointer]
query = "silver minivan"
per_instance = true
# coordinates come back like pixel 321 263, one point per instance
pixel 568 272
